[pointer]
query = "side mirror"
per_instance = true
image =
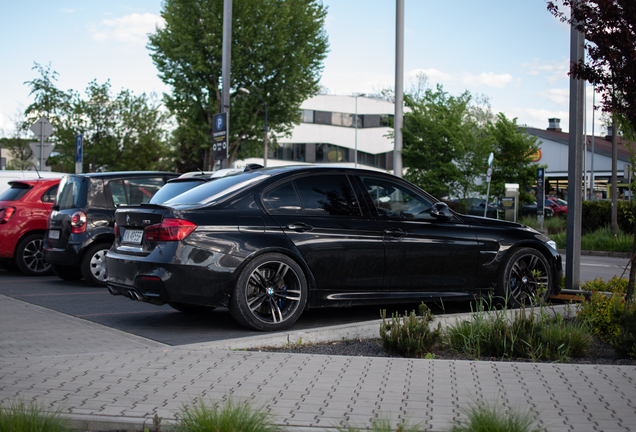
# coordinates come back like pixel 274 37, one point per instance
pixel 441 211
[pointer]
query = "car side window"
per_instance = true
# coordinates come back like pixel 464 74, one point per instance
pixel 393 200
pixel 134 191
pixel 327 195
pixel 49 195
pixel 283 200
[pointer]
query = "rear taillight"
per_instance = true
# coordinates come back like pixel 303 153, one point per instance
pixel 78 222
pixel 116 230
pixel 169 230
pixel 5 214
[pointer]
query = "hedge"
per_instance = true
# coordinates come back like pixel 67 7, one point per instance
pixel 597 214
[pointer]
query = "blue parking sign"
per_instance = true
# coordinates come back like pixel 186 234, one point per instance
pixel 79 156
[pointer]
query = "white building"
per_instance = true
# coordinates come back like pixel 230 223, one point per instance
pixel 328 134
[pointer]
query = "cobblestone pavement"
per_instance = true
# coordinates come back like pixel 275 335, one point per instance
pixel 107 379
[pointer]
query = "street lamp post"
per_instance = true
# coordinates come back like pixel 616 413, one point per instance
pixel 355 156
pixel 244 90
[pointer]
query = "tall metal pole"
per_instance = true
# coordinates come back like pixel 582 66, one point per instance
pixel 575 162
pixel 226 62
pixel 592 168
pixel 355 157
pixel 399 87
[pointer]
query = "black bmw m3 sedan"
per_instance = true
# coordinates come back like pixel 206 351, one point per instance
pixel 272 242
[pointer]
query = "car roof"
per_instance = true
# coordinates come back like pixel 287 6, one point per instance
pixel 123 174
pixel 33 182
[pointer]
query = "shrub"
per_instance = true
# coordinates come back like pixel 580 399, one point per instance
pixel 409 335
pixel 527 335
pixel 614 284
pixel 603 313
pixel 625 342
pixel 17 416
pixel 597 214
pixel 483 417
pixel 232 416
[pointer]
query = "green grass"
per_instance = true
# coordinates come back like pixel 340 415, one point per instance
pixel 18 416
pixel 603 239
pixel 232 416
pixel 484 417
pixel 528 335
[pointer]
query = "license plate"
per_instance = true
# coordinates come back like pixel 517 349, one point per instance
pixel 133 236
pixel 54 234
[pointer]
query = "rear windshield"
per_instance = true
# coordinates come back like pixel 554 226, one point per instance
pixel 174 188
pixel 71 193
pixel 15 192
pixel 216 190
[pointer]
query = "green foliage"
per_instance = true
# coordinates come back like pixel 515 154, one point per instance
pixel 604 313
pixel 120 132
pixel 409 335
pixel 384 425
pixel 596 215
pixel 277 51
pixel 527 335
pixel 625 342
pixel 440 144
pixel 485 417
pixel 18 416
pixel 231 417
pixel 603 239
pixel 21 153
pixel 513 161
pixel 615 284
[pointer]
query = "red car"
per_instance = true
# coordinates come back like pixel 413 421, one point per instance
pixel 559 206
pixel 24 212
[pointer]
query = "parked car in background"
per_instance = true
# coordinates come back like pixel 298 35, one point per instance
pixel 475 207
pixel 7 176
pixel 558 206
pixel 272 242
pixel 81 225
pixel 24 211
pixel 530 210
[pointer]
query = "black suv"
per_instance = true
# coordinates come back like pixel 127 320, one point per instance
pixel 81 225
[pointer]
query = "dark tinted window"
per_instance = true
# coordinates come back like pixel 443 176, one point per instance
pixel 69 193
pixel 135 190
pixel 215 190
pixel 172 189
pixel 327 195
pixel 282 200
pixel 49 195
pixel 395 201
pixel 322 117
pixel 15 192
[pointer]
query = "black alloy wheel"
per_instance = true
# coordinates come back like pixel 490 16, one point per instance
pixel 270 293
pixel 525 278
pixel 29 257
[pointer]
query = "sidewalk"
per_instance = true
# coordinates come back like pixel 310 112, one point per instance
pixel 109 380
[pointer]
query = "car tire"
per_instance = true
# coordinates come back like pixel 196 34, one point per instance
pixel 67 273
pixel 29 258
pixel 190 308
pixel 93 265
pixel 525 279
pixel 270 293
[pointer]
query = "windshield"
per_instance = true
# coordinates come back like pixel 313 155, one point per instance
pixel 172 189
pixel 215 190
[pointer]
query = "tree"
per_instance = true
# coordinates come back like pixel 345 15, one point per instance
pixel 277 52
pixel 513 149
pixel 18 146
pixel 436 134
pixel 120 132
pixel 610 32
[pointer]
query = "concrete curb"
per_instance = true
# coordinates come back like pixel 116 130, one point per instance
pixel 367 330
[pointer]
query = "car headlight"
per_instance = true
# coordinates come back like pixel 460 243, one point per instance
pixel 552 244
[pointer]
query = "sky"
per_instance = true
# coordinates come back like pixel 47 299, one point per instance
pixel 514 52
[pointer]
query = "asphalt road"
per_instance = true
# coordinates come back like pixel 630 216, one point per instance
pixel 164 324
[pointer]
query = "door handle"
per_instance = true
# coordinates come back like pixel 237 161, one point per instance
pixel 300 227
pixel 395 232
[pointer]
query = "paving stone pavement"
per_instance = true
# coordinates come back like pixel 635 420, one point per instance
pixel 107 379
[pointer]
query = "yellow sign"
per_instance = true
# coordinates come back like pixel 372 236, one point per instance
pixel 536 156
